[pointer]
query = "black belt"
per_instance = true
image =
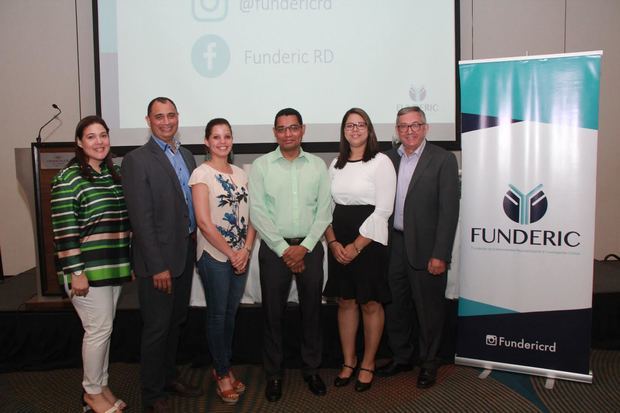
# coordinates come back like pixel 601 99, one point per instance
pixel 294 241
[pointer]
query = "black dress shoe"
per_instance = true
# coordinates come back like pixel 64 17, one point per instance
pixel 181 389
pixel 343 381
pixel 426 378
pixel 315 384
pixel 361 386
pixel 273 391
pixel 392 368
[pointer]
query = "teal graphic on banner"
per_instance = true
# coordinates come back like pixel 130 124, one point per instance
pixel 530 86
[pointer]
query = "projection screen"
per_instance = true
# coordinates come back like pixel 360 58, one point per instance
pixel 246 59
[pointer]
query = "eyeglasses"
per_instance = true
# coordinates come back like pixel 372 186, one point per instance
pixel 351 126
pixel 292 128
pixel 415 126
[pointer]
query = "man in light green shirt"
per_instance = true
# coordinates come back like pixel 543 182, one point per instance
pixel 290 207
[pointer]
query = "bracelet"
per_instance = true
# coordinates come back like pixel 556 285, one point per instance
pixel 329 242
pixel 356 249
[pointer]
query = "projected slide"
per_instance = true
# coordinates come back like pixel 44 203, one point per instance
pixel 246 59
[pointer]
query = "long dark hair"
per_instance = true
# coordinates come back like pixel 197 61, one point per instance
pixel 80 157
pixel 372 146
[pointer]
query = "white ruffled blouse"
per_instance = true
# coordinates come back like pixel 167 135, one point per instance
pixel 367 183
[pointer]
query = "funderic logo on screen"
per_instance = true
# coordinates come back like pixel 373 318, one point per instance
pixel 209 10
pixel 417 94
pixel 525 208
pixel 210 55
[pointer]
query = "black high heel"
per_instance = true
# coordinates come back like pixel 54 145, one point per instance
pixel 343 381
pixel 361 386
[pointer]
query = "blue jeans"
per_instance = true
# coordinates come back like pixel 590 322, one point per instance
pixel 223 291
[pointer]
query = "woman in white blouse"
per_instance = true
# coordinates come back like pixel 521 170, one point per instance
pixel 363 186
pixel 220 197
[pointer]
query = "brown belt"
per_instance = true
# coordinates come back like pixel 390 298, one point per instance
pixel 294 241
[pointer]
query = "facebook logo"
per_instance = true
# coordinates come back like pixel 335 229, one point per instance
pixel 210 56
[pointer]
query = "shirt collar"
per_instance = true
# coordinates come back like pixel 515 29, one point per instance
pixel 164 145
pixel 103 167
pixel 417 152
pixel 277 154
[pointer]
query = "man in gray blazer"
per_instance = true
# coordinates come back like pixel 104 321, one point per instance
pixel 422 234
pixel 159 202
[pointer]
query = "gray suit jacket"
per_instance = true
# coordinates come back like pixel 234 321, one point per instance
pixel 157 210
pixel 431 206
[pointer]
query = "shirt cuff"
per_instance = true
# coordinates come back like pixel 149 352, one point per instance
pixel 308 243
pixel 279 249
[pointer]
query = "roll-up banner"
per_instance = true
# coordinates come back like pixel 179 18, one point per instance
pixel 529 138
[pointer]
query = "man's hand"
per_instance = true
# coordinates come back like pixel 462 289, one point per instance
pixel 436 266
pixel 293 257
pixel 298 268
pixel 163 282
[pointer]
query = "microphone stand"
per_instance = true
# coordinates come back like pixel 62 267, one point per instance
pixel 48 122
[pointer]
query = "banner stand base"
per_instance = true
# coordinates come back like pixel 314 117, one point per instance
pixel 485 373
pixel 549 383
pixel 515 368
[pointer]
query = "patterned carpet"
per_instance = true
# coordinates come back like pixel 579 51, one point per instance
pixel 458 390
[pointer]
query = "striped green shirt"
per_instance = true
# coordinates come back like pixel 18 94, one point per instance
pixel 91 227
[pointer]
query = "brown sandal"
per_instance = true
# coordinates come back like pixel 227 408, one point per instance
pixel 229 396
pixel 237 385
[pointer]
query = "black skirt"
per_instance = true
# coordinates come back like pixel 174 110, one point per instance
pixel 365 278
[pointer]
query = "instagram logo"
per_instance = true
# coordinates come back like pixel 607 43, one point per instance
pixel 491 340
pixel 209 10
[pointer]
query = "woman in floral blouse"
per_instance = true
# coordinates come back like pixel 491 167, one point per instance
pixel 220 196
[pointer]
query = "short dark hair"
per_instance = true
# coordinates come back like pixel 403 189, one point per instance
pixel 80 157
pixel 372 146
pixel 160 99
pixel 288 112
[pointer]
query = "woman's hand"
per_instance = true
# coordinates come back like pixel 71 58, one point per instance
pixel 242 257
pixel 79 285
pixel 351 251
pixel 339 253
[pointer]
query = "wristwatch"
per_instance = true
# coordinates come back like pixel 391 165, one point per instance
pixel 77 273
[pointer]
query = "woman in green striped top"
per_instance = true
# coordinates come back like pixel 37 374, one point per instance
pixel 91 238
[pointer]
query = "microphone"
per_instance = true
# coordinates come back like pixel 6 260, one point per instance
pixel 55 106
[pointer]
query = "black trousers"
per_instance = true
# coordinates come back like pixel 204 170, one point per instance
pixel 275 282
pixel 162 317
pixel 417 309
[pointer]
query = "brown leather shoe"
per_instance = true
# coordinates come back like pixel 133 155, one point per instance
pixel 160 406
pixel 181 389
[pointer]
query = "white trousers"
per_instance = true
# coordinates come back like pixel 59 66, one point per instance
pixel 96 310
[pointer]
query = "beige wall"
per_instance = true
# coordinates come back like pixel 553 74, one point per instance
pixel 503 28
pixel 44 40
